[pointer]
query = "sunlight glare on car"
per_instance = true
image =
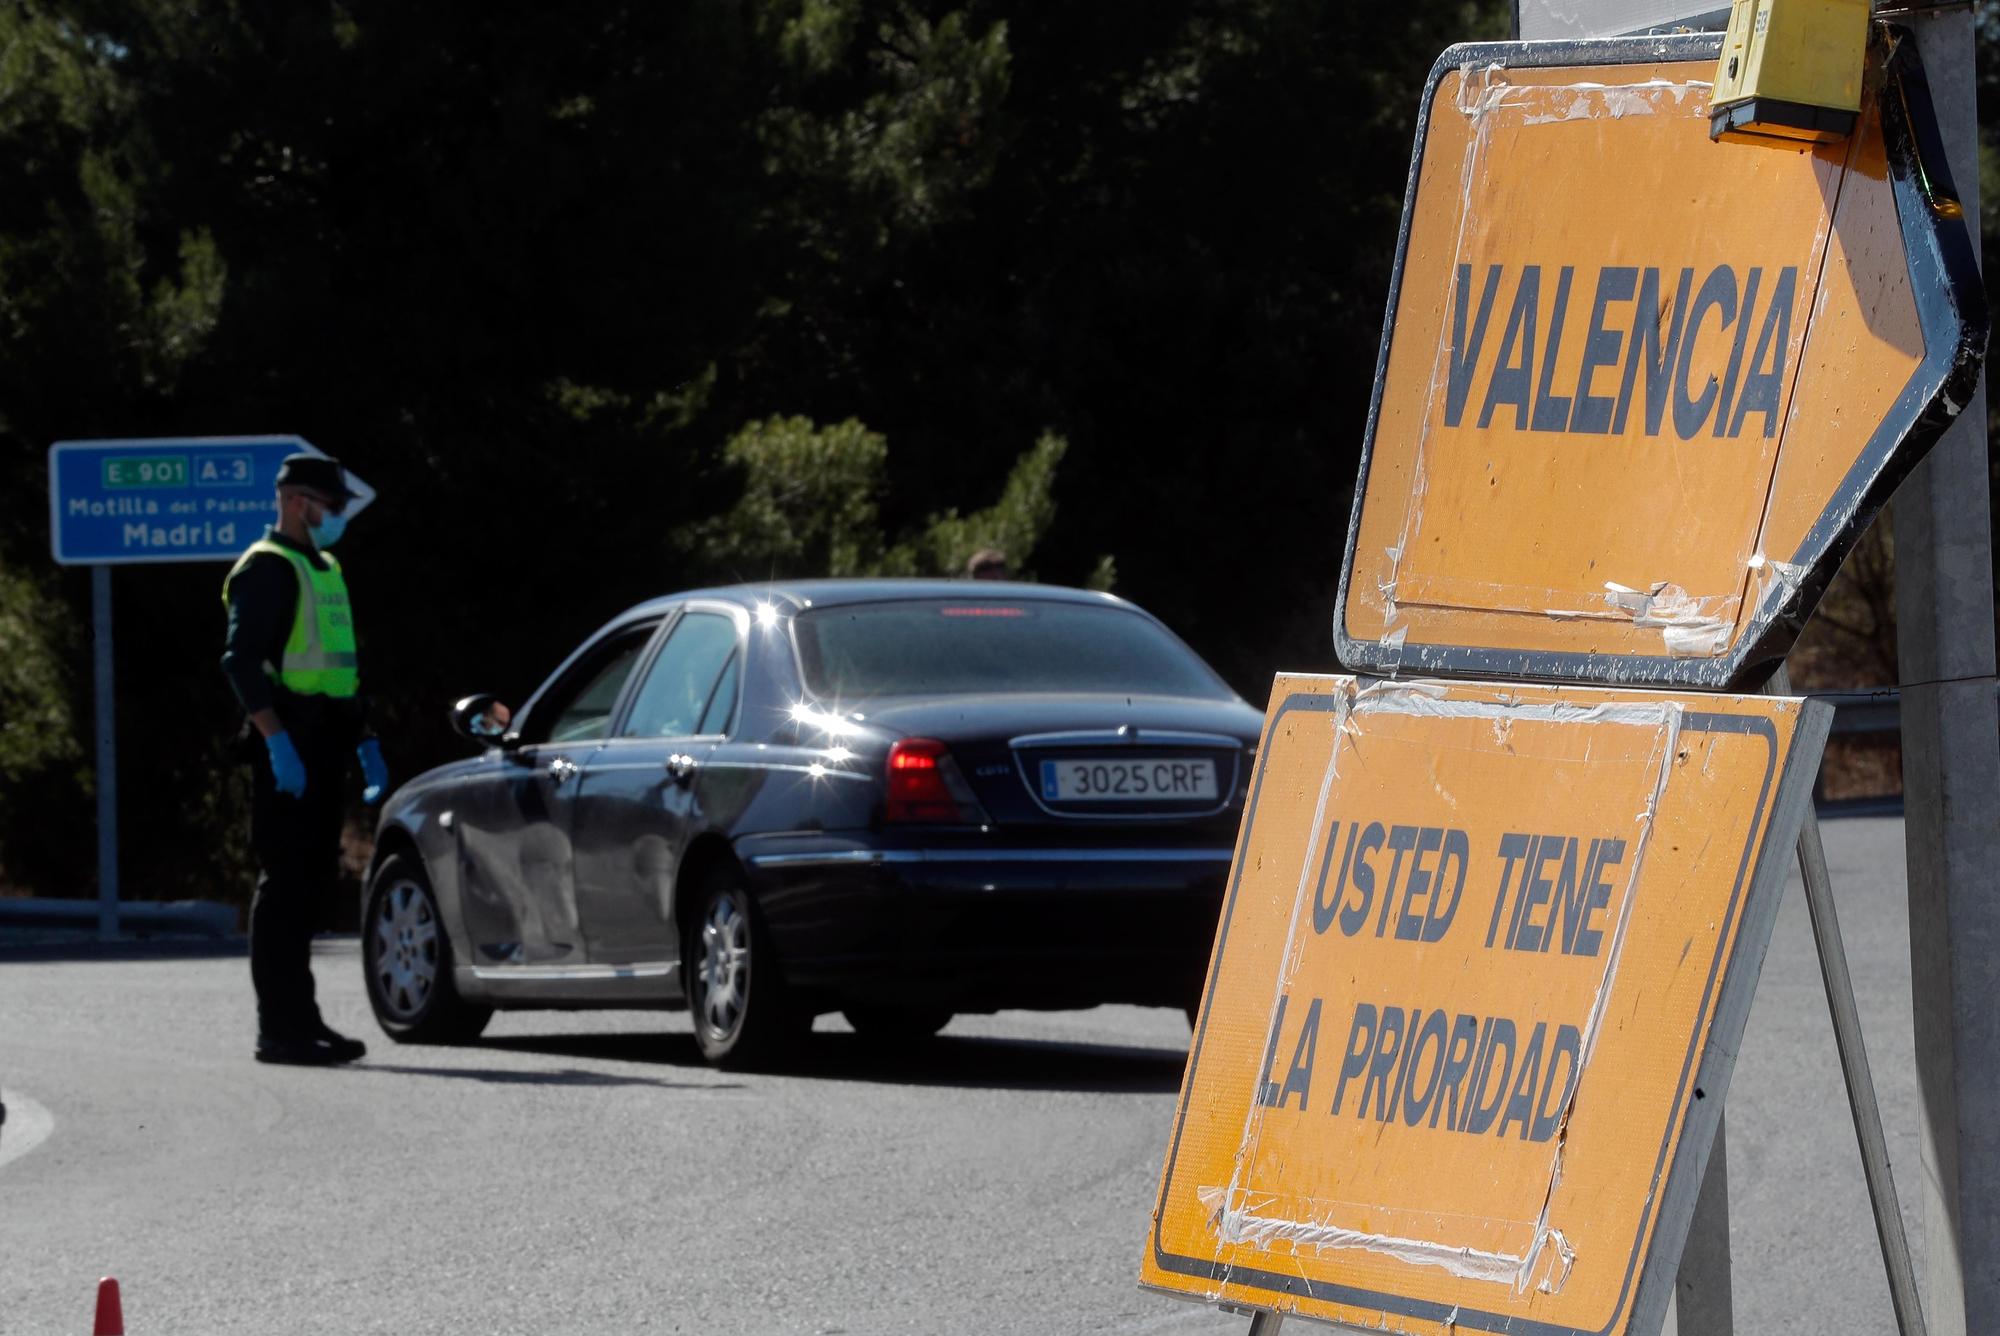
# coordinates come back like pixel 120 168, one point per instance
pixel 827 722
pixel 832 761
pixel 767 616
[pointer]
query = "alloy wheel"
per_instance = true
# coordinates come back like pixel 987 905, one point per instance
pixel 723 964
pixel 405 940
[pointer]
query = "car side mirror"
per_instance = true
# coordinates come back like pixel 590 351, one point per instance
pixel 483 719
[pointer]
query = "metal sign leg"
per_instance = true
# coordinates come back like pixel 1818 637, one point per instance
pixel 1854 1068
pixel 1860 1083
pixel 1266 1324
pixel 1702 1293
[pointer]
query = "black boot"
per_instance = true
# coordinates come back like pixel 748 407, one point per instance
pixel 343 1048
pixel 296 1052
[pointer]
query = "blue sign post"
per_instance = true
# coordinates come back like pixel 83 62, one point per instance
pixel 167 499
pixel 114 503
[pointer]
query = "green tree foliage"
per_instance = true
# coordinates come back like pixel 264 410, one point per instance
pixel 105 302
pixel 808 501
pixel 887 123
pixel 531 271
pixel 809 507
pixel 1014 524
pixel 41 747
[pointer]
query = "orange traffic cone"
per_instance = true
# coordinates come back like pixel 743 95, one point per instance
pixel 110 1313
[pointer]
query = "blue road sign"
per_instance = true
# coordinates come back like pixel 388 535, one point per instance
pixel 167 499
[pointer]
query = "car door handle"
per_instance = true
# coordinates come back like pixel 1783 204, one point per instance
pixel 681 767
pixel 562 770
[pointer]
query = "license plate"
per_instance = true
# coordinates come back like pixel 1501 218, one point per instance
pixel 1186 778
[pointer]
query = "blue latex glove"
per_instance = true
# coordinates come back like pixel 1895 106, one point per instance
pixel 287 770
pixel 374 771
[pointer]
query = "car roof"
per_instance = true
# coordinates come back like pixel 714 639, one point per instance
pixel 797 595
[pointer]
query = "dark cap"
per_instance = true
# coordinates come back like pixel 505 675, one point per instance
pixel 318 472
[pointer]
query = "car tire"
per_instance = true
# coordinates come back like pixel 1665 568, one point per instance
pixel 743 1014
pixel 897 1025
pixel 406 961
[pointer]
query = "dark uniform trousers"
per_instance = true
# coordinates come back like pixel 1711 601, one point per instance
pixel 297 842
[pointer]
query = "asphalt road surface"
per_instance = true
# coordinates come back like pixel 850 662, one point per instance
pixel 585 1172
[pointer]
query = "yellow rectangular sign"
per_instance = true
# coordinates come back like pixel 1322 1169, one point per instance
pixel 1476 992
pixel 1640 391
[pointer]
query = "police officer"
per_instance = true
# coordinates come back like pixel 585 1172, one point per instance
pixel 290 657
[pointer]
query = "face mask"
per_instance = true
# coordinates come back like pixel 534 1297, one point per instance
pixel 329 529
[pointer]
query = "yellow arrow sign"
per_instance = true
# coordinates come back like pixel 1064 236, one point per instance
pixel 1484 962
pixel 1641 391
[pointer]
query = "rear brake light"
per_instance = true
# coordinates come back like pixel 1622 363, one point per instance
pixel 924 785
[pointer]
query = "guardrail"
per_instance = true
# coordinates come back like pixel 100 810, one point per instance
pixel 1879 710
pixel 179 918
pixel 1873 713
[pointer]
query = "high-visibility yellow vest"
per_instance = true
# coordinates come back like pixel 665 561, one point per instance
pixel 319 657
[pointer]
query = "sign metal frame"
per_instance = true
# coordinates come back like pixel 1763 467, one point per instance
pixel 1951 309
pixel 1781 806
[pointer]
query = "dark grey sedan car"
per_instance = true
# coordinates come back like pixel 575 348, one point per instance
pixel 896 799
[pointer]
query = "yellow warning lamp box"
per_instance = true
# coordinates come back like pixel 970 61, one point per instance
pixel 1640 391
pixel 1790 69
pixel 1483 966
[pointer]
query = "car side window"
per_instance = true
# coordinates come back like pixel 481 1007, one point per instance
pixel 580 708
pixel 678 696
pixel 722 701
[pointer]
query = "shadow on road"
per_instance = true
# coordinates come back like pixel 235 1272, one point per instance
pixel 968 1061
pixel 570 1076
pixel 20 947
pixel 976 1061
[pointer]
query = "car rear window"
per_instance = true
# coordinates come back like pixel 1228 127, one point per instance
pixel 925 647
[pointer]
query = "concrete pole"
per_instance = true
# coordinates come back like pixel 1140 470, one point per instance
pixel 1951 788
